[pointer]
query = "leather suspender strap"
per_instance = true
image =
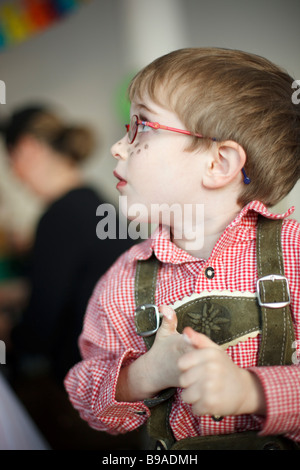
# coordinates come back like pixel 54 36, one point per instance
pixel 145 285
pixel 272 289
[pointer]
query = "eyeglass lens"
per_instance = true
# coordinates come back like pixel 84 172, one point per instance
pixel 132 129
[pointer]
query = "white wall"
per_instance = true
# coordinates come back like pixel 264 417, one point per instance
pixel 82 62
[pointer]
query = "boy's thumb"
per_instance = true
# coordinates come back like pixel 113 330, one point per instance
pixel 169 319
pixel 198 340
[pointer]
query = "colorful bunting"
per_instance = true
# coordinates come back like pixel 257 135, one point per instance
pixel 21 19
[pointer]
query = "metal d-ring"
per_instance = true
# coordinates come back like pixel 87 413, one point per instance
pixel 157 315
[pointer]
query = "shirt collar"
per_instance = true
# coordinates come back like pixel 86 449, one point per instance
pixel 166 251
pixel 259 208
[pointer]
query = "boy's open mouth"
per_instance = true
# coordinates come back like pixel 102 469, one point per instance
pixel 122 181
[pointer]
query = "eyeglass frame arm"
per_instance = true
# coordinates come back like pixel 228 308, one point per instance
pixel 156 125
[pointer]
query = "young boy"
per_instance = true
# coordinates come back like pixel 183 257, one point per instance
pixel 218 129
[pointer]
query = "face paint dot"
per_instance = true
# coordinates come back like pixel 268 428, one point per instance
pixel 146 146
pixel 138 151
pixel 131 153
pixel 136 145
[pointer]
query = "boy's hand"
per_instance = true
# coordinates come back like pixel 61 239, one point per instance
pixel 157 369
pixel 213 384
pixel 162 359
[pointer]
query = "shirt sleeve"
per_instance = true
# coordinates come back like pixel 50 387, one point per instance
pixel 91 384
pixel 281 385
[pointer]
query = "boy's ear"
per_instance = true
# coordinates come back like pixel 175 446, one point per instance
pixel 224 163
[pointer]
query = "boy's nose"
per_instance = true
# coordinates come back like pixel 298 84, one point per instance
pixel 120 149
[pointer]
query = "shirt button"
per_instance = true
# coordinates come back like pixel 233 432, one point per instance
pixel 217 418
pixel 209 272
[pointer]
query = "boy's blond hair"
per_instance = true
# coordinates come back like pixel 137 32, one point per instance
pixel 233 95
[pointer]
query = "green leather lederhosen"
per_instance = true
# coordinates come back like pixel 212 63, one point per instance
pixel 226 318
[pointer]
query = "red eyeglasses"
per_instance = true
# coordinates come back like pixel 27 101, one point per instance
pixel 135 122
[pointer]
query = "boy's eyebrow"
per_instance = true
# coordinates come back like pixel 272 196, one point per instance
pixel 145 108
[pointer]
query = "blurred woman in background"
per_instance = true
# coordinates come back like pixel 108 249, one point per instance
pixel 67 258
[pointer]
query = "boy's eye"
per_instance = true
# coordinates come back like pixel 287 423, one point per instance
pixel 143 128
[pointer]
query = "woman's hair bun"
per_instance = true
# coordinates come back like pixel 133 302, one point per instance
pixel 77 142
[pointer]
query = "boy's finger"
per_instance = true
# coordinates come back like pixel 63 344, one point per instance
pixel 198 340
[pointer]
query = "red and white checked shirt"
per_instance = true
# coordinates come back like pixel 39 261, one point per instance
pixel 109 340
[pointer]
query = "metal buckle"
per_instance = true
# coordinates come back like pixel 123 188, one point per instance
pixel 160 445
pixel 273 277
pixel 157 318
